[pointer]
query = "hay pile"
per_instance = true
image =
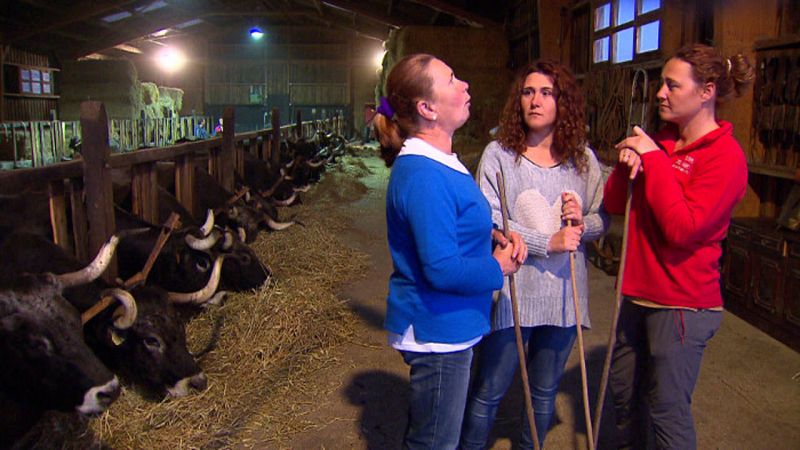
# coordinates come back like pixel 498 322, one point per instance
pixel 113 82
pixel 270 344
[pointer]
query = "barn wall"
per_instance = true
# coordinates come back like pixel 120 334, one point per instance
pixel 738 25
pixel 552 30
pixel 307 69
pixel 20 107
pixel 365 76
pixel 478 56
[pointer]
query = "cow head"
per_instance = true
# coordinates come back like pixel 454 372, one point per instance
pixel 46 361
pixel 153 351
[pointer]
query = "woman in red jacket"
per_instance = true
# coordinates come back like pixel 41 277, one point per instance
pixel 688 178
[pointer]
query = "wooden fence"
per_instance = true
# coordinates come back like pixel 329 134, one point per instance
pixel 39 143
pixel 85 184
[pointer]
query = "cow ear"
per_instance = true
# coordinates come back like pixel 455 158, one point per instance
pixel 115 336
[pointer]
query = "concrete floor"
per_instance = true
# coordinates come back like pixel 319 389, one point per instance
pixel 747 397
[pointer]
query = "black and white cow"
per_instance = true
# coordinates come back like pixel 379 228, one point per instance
pixel 151 351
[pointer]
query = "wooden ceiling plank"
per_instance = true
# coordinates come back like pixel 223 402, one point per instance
pixel 83 11
pixel 355 8
pixel 458 12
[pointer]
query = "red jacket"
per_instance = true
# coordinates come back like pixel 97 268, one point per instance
pixel 680 211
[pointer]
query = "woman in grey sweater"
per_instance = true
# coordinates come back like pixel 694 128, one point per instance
pixel 551 177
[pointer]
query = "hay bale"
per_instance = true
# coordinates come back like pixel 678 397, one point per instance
pixel 98 71
pixel 150 93
pixel 113 82
pixel 170 99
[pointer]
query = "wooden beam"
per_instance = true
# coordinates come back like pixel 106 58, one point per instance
pixel 131 32
pixel 77 13
pixel 97 179
pixel 356 8
pixel 471 18
pixel 360 31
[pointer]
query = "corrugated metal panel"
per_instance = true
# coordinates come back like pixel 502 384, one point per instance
pixel 318 94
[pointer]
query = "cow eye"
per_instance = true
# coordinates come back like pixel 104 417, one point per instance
pixel 40 344
pixel 202 264
pixel 152 342
pixel 244 259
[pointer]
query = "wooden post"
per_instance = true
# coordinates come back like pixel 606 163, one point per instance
pixel 58 215
pixel 2 85
pixel 298 124
pixel 276 137
pixel 262 147
pixel 97 179
pixel 227 154
pixel 80 232
pixel 184 181
pixel 144 194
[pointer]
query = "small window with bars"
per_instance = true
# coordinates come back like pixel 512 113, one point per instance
pixel 625 30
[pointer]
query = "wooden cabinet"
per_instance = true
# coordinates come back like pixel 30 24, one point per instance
pixel 761 277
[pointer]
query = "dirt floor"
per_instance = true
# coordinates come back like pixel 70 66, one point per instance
pixel 747 397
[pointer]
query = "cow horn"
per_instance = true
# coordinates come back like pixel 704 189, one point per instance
pixel 209 225
pixel 125 314
pixel 303 188
pixel 316 165
pixel 242 234
pixel 201 244
pixel 227 244
pixel 286 202
pixel 203 294
pixel 94 269
pixel 278 226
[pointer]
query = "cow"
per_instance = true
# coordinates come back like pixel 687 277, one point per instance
pixel 188 257
pixel 46 362
pixel 151 350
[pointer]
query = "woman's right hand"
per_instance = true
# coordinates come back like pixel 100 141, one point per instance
pixel 505 257
pixel 566 239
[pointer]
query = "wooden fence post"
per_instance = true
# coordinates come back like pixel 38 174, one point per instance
pixel 275 153
pixel 97 179
pixel 226 162
pixel 298 124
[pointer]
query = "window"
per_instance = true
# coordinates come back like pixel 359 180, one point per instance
pixel 625 29
pixel 35 81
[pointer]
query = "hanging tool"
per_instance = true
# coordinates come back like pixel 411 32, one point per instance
pixel 639 80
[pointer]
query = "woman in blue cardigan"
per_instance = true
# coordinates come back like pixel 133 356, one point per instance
pixel 440 236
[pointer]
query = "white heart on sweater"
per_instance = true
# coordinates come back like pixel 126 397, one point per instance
pixel 533 211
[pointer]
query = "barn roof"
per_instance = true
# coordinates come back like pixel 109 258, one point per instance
pixel 71 29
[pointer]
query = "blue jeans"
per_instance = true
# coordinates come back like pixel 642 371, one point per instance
pixel 439 384
pixel 548 350
pixel 654 369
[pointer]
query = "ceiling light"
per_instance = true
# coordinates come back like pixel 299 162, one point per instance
pixel 170 59
pixel 256 33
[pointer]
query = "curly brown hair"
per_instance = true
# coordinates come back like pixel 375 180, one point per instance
pixel 569 134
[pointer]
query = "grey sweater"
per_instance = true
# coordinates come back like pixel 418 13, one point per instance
pixel 533 194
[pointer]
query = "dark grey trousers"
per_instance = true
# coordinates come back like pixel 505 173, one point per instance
pixel 654 369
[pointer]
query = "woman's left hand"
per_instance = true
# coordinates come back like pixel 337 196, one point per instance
pixel 571 209
pixel 519 247
pixel 640 142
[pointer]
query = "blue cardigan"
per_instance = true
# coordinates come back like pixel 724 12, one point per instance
pixel 439 228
